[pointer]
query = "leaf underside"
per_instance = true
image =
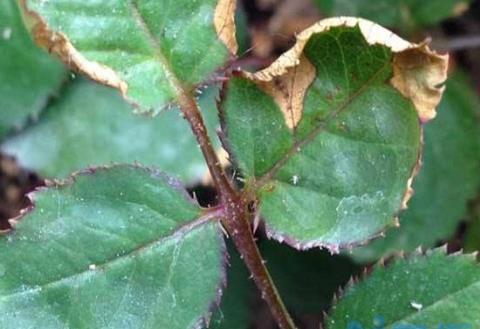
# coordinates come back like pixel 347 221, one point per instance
pixel 90 125
pixel 28 76
pixel 115 248
pixel 151 50
pixel 424 291
pixel 340 175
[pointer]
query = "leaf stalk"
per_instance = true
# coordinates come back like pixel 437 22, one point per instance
pixel 237 217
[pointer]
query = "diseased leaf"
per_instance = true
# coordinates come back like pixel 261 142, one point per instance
pixel 449 177
pixel 28 76
pixel 400 14
pixel 123 247
pixel 151 50
pixel 91 125
pixel 329 134
pixel 234 311
pixel 428 291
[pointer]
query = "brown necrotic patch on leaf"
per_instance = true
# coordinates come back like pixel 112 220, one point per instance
pixel 224 21
pixel 289 89
pixel 58 44
pixel 409 192
pixel 418 72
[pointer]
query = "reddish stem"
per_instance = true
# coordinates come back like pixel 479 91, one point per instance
pixel 237 217
pixel 238 224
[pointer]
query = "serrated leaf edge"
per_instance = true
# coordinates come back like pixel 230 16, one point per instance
pixel 423 88
pixel 58 44
pixel 335 248
pixel 224 21
pixel 207 216
pixel 399 256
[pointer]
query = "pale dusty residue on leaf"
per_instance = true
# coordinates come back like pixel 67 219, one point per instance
pixel 418 71
pixel 352 210
pixel 58 44
pixel 224 21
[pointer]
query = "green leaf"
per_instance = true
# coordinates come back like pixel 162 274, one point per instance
pixel 123 247
pixel 400 14
pixel 153 51
pixel 91 125
pixel 428 291
pixel 234 311
pixel 443 187
pixel 329 135
pixel 28 76
pixel 304 278
pixel 242 31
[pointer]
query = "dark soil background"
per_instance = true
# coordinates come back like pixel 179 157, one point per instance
pixel 272 25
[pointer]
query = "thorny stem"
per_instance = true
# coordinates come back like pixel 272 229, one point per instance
pixel 192 113
pixel 237 217
pixel 238 224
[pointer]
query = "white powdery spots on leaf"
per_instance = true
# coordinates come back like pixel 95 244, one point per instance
pixel 416 305
pixel 7 33
pixel 352 211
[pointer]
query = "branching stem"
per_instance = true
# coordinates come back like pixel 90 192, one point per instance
pixel 237 216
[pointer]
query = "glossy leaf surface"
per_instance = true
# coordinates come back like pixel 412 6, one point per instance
pixel 150 50
pixel 114 248
pixel 443 186
pixel 28 76
pixel 422 291
pixel 91 125
pixel 328 140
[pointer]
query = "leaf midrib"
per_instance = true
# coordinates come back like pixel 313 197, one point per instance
pixel 179 232
pixel 298 144
pixel 169 73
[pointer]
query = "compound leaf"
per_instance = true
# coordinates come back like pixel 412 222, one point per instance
pixel 153 51
pixel 423 291
pixel 122 247
pixel 90 125
pixel 28 76
pixel 329 135
pixel 442 188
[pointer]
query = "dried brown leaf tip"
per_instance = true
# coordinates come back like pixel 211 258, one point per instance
pixel 418 72
pixel 58 44
pixel 224 21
